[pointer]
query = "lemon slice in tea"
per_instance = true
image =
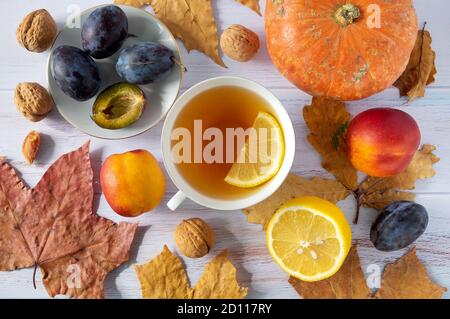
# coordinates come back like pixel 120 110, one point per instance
pixel 261 157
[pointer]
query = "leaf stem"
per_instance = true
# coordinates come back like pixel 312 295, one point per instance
pixel 34 275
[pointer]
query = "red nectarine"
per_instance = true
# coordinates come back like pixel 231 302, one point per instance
pixel 382 142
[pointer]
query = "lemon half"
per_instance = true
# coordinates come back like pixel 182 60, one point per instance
pixel 309 238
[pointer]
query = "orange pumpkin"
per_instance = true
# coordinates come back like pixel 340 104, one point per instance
pixel 346 50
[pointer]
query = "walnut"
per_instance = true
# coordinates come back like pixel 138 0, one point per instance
pixel 194 238
pixel 33 101
pixel 239 43
pixel 37 31
pixel 30 146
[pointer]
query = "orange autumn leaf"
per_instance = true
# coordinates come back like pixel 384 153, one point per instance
pixel 52 227
pixel 408 278
pixel 348 283
pixel 295 186
pixel 421 69
pixel 326 120
pixel 164 277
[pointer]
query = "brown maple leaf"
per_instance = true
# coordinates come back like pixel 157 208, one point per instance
pixel 348 283
pixel 326 120
pixel 52 227
pixel 192 21
pixel 408 278
pixel 164 277
pixel 380 192
pixel 421 69
pixel 295 186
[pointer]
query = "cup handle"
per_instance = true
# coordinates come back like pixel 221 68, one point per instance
pixel 176 200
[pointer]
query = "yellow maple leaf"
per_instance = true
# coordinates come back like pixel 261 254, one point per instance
pixel 295 186
pixel 348 283
pixel 133 3
pixel 421 69
pixel 164 277
pixel 326 120
pixel 219 281
pixel 380 192
pixel 192 21
pixel 408 278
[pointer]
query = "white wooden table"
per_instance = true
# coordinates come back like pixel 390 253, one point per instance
pixel 244 241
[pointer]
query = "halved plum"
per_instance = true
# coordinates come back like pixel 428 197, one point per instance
pixel 119 106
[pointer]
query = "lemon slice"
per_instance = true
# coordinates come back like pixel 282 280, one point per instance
pixel 255 164
pixel 309 238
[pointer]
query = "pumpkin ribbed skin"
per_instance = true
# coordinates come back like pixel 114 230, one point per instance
pixel 345 62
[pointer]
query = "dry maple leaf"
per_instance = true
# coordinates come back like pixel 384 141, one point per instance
pixel 219 281
pixel 133 3
pixel 295 186
pixel 348 283
pixel 380 192
pixel 325 119
pixel 192 21
pixel 408 278
pixel 53 227
pixel 421 69
pixel 164 277
pixel 252 4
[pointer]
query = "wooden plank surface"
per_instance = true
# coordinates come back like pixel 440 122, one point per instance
pixel 244 241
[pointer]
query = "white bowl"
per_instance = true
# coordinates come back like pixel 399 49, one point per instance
pixel 160 96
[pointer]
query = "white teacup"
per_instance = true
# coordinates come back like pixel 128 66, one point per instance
pixel 264 191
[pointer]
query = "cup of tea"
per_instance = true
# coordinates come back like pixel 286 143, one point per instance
pixel 210 129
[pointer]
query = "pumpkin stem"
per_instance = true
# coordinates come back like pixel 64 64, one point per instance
pixel 346 14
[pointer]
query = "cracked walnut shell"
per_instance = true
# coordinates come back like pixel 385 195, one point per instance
pixel 33 101
pixel 239 43
pixel 194 238
pixel 37 31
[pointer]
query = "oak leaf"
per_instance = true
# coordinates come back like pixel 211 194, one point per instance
pixel 192 21
pixel 421 69
pixel 348 283
pixel 380 192
pixel 325 119
pixel 52 227
pixel 252 4
pixel 295 186
pixel 164 277
pixel 408 278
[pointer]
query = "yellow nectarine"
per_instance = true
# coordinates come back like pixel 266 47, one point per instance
pixel 133 182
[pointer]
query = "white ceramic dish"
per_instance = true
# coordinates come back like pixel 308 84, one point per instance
pixel 160 96
pixel 264 191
